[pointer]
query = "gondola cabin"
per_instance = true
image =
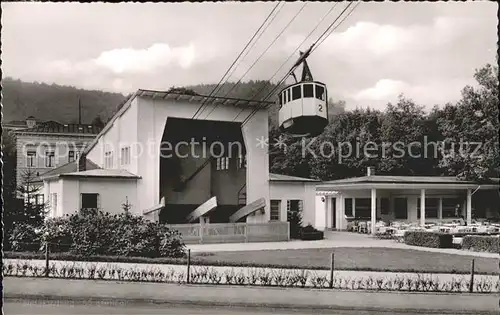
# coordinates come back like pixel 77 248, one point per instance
pixel 303 108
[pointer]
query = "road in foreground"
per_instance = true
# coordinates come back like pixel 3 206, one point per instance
pixel 20 307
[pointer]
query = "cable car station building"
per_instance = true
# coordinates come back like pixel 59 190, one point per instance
pixel 173 160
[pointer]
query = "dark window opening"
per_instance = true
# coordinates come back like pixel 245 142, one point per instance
pixel 450 206
pixel 71 156
pixel 320 92
pixel 296 92
pixel 363 207
pixel 348 207
pixel 431 208
pixel 401 208
pixel 308 90
pixel 384 206
pixel 89 201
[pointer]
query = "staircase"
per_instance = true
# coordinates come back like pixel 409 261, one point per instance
pixel 242 196
pixel 247 210
pixel 203 209
pixel 181 186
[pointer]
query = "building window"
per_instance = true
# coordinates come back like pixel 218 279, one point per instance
pixel 222 163
pixel 384 206
pixel 242 162
pixel 71 156
pixel 431 208
pixel 90 201
pixel 125 156
pixel 401 208
pixel 308 90
pixel 275 210
pixel 348 207
pixel 449 207
pixel 320 92
pixel 108 159
pixel 296 92
pixel 49 159
pixel 363 207
pixel 31 159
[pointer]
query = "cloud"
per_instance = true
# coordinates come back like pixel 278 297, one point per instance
pixel 145 60
pixel 383 90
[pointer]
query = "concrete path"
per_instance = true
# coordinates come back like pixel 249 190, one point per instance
pixel 81 290
pixel 332 240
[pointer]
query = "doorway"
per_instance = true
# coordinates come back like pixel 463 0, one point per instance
pixel 334 213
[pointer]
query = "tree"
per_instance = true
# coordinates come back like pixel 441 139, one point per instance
pixel 126 206
pixel 97 121
pixel 10 202
pixel 34 210
pixel 470 130
pixel 403 132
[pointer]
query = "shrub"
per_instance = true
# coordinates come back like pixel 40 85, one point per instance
pixel 57 232
pixel 25 237
pixel 170 243
pixel 309 233
pixel 489 244
pixel 428 239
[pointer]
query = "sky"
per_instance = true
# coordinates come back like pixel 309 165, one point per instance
pixel 426 51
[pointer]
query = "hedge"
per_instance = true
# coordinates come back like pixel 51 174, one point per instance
pixel 476 243
pixel 428 239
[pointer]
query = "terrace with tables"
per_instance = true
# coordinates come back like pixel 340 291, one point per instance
pixel 396 204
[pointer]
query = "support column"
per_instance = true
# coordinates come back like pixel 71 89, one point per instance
pixel 374 210
pixel 339 216
pixel 469 207
pixel 354 207
pixel 440 209
pixel 422 207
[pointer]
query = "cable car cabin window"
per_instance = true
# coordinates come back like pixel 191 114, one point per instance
pixel 296 92
pixel 320 92
pixel 287 98
pixel 308 90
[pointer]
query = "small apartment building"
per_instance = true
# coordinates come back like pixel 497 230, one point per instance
pixel 44 146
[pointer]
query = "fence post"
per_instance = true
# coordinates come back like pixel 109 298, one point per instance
pixel 188 276
pixel 47 252
pixel 332 264
pixel 471 284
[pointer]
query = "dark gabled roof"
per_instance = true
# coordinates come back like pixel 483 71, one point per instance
pixel 286 178
pixel 382 179
pixel 67 168
pixel 55 127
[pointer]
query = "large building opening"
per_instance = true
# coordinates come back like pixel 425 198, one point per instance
pixel 201 159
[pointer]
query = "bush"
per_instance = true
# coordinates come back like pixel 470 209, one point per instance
pixel 95 233
pixel 57 232
pixel 428 239
pixel 476 243
pixel 309 233
pixel 25 237
pixel 170 243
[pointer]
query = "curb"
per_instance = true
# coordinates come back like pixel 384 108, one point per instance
pixel 129 301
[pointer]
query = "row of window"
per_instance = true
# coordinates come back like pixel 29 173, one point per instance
pixel 125 157
pixel 305 90
pixel 222 163
pixel 87 201
pixel 49 158
pixel 362 207
pixel 293 206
